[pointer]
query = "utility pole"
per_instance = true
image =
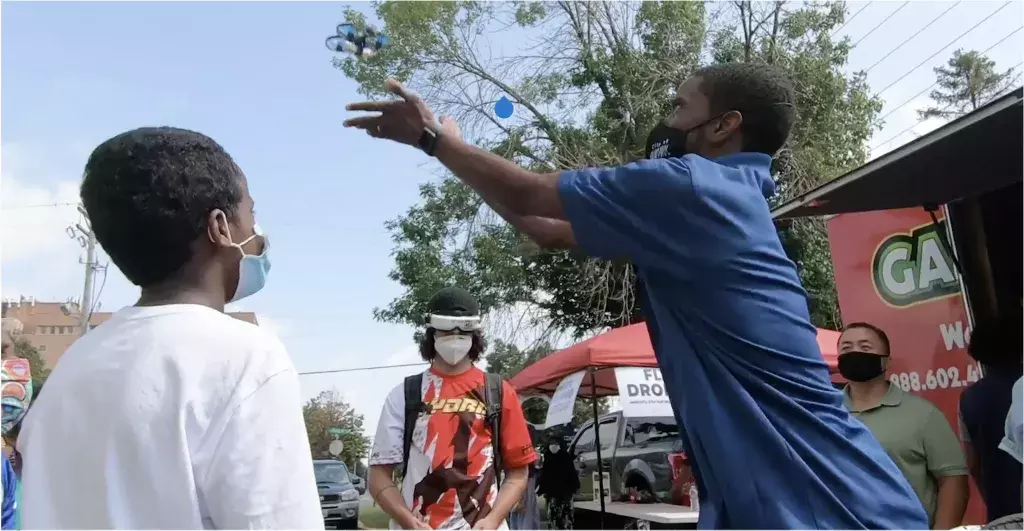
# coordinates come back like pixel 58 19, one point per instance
pixel 82 232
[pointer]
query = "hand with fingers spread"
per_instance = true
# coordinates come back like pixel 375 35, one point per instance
pixel 407 120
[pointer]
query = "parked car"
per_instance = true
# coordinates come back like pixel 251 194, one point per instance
pixel 339 499
pixel 635 453
pixel 359 483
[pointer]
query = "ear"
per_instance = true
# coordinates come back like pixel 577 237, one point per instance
pixel 217 229
pixel 728 125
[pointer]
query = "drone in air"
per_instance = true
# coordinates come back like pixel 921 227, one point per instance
pixel 361 44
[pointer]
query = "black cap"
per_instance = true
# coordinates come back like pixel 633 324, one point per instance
pixel 455 302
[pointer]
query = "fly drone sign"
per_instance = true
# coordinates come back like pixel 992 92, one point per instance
pixel 642 392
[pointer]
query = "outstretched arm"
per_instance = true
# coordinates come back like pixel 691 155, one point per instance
pixel 634 211
pixel 545 232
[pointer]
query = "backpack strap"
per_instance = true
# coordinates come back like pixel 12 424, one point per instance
pixel 413 408
pixel 493 396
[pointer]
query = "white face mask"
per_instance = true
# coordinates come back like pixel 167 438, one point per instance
pixel 453 349
pixel 554 448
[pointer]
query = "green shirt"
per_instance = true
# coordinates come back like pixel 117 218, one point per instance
pixel 918 438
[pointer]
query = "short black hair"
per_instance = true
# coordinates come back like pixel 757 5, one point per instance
pixel 878 332
pixel 761 93
pixel 427 351
pixel 148 193
pixel 998 342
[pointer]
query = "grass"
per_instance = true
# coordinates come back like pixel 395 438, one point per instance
pixel 373 517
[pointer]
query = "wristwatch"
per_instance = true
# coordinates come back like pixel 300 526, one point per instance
pixel 428 141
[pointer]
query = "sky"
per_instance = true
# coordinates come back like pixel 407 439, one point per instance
pixel 257 78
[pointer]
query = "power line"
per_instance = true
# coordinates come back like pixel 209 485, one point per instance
pixel 879 25
pixel 886 56
pixel 354 369
pixel 42 205
pixel 937 52
pixel 850 19
pixel 944 109
pixel 929 87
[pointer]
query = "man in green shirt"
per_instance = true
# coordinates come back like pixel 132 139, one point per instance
pixel 914 433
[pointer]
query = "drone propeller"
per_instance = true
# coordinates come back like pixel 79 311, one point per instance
pixel 348 31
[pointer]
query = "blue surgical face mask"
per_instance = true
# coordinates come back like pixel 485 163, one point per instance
pixel 252 269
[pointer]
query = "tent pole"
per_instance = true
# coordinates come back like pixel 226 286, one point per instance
pixel 597 440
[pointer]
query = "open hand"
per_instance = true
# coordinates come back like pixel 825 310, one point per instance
pixel 402 120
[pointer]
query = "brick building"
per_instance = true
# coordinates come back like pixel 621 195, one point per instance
pixel 53 326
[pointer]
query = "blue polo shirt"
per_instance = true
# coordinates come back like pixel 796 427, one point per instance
pixel 771 443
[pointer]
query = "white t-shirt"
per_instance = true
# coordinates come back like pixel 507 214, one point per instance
pixel 170 417
pixel 1013 440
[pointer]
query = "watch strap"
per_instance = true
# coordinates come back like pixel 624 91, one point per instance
pixel 428 141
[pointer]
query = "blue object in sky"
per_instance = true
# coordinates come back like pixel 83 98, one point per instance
pixel 503 108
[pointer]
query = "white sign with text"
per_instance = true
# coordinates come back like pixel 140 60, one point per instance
pixel 561 406
pixel 642 392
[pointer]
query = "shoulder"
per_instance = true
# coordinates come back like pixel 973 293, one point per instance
pixel 657 174
pixel 230 356
pixel 917 403
pixel 507 389
pixel 923 409
pixel 397 394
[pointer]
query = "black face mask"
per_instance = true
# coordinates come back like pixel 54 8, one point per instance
pixel 665 141
pixel 860 366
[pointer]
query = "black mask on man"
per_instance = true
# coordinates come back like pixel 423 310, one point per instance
pixel 860 366
pixel 665 141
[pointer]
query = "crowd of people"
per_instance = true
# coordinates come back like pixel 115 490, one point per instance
pixel 185 418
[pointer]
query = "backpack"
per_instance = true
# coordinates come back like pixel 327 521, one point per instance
pixel 414 406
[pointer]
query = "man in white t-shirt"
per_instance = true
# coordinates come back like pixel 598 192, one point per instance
pixel 171 414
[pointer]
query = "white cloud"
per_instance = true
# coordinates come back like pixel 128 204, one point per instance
pixel 28 230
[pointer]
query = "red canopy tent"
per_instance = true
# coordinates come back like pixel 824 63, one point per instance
pixel 629 346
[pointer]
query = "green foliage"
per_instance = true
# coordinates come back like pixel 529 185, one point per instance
pixel 327 410
pixel 967 81
pixel 594 79
pixel 24 349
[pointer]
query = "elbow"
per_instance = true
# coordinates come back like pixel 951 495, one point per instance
pixel 378 478
pixel 547 241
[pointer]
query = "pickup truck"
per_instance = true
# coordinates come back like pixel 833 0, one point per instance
pixel 636 453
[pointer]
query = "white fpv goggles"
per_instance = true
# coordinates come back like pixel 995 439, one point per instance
pixel 447 323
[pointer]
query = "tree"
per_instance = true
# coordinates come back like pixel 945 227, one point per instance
pixel 327 410
pixel 25 349
pixel 967 81
pixel 593 80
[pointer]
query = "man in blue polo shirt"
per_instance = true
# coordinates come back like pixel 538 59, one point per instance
pixel 770 440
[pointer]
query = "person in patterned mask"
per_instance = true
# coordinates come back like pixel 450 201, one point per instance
pixel 17 394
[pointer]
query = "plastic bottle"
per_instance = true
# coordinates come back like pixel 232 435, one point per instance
pixel 694 502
